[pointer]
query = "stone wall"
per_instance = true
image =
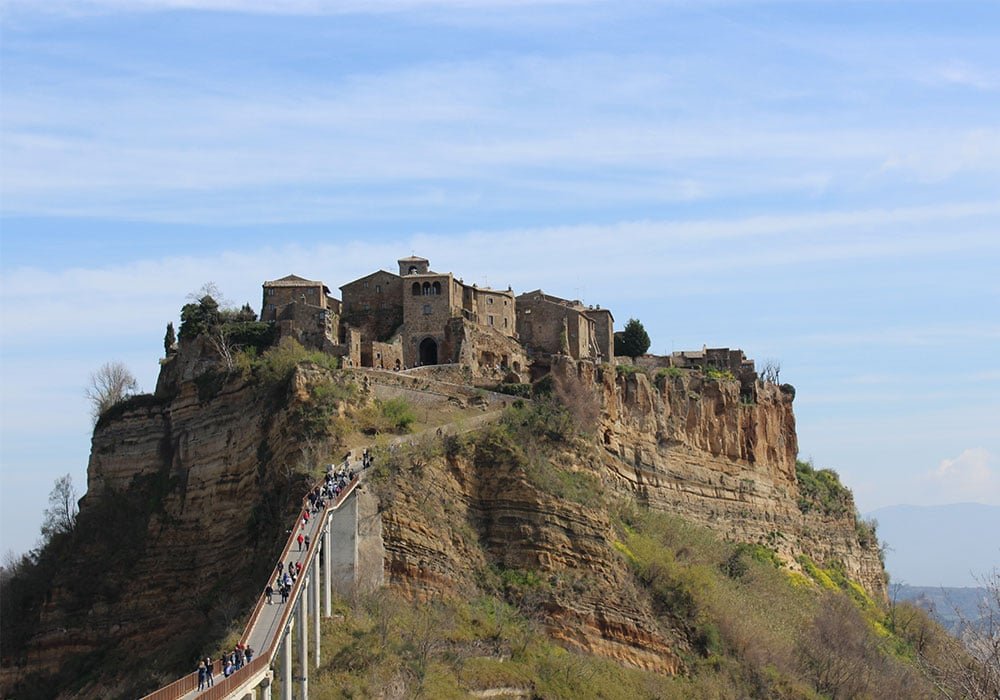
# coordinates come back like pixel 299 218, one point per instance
pixel 548 326
pixel 312 326
pixel 278 293
pixel 382 355
pixel 374 304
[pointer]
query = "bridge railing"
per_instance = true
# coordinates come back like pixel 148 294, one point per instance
pixel 189 683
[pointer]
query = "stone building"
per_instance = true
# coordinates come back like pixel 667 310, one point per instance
pixel 549 325
pixel 420 317
pixel 302 309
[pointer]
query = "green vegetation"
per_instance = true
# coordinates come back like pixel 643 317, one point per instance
pixel 742 625
pixel 821 491
pixel 633 341
pixel 389 416
pixel 717 375
pixel 627 370
pixel 514 389
pixel 450 647
pixel 276 365
pixel 672 372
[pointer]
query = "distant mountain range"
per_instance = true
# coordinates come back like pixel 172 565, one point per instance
pixel 935 546
pixel 952 607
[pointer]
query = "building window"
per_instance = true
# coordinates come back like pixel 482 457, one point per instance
pixel 436 288
pixel 427 309
pixel 270 291
pixel 489 320
pixel 489 300
pixel 426 289
pixel 364 307
pixel 505 323
pixel 365 285
pixel 378 288
pixel 416 289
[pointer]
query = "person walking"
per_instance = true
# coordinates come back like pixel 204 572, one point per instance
pixel 268 592
pixel 201 675
pixel 300 539
pixel 209 671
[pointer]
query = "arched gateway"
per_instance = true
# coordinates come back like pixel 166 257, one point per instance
pixel 428 351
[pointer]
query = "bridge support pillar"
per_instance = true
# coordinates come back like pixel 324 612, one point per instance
pixel 303 624
pixel 315 605
pixel 286 666
pixel 327 569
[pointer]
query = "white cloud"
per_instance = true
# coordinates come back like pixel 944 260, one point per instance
pixel 971 476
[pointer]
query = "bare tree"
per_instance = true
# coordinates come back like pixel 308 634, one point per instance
pixel 60 516
pixel 770 371
pixel 209 289
pixel 112 383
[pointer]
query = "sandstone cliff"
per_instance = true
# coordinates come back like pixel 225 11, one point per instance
pixel 722 457
pixel 188 497
pixel 189 492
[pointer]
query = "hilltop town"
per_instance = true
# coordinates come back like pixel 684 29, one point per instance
pixel 423 318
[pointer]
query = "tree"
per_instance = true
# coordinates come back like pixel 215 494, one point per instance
pixel 170 339
pixel 633 341
pixel 770 371
pixel 109 385
pixel 60 516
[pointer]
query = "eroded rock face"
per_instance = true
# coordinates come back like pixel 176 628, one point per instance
pixel 203 464
pixel 446 528
pixel 702 450
pixel 190 494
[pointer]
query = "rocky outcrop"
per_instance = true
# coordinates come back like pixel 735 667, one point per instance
pixel 189 492
pixel 187 502
pixel 719 455
pixel 454 526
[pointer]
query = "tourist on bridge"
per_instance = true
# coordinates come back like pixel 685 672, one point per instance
pixel 268 592
pixel 209 671
pixel 300 539
pixel 201 675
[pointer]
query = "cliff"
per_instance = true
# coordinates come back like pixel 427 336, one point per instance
pixel 724 457
pixel 189 494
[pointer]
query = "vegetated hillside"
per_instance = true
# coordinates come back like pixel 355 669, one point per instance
pixel 537 552
pixel 515 570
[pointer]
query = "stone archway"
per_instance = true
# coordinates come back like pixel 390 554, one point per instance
pixel 428 351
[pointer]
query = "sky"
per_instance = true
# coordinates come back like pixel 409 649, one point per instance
pixel 813 182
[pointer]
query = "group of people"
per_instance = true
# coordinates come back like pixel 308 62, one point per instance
pixel 336 480
pixel 230 662
pixel 284 581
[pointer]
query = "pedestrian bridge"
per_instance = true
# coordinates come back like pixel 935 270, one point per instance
pixel 328 561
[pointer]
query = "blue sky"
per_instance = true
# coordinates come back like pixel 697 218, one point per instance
pixel 817 182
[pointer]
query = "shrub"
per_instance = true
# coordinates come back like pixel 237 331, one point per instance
pixel 821 490
pixel 672 372
pixel 514 389
pixel 390 416
pixel 716 374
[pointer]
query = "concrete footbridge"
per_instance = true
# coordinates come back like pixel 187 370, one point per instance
pixel 330 558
